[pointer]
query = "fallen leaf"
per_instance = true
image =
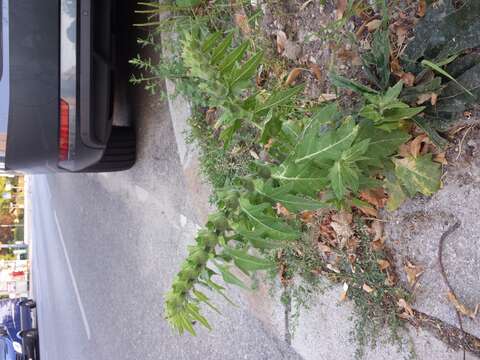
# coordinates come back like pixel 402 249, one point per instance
pixel 440 158
pixel 281 41
pixel 283 211
pixel 369 211
pixel 390 280
pixel 325 248
pixel 352 244
pixel 422 8
pixel 341 7
pixel 417 144
pixel 343 232
pixel 307 216
pixel 395 67
pixel 413 272
pixel 374 25
pixel 383 264
pixel 211 116
pixel 408 79
pixel 405 306
pixel 343 295
pixel 327 97
pixel 434 99
pixel 317 71
pixel 404 150
pixel 294 74
pixel 241 20
pixel 377 245
pixel 332 268
pixel 343 217
pixel 377 230
pixel 422 98
pixel 401 32
pixel 461 308
pixel 367 288
pixel 376 197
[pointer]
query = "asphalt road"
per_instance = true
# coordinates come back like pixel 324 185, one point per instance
pixel 105 249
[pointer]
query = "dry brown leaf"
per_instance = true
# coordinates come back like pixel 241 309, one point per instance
pixel 434 99
pixel 211 116
pixel 422 8
pixel 341 7
pixel 373 25
pixel 281 41
pixel 343 295
pixel 413 272
pixel 343 217
pixel 395 67
pixel 417 144
pixel 440 158
pixel 376 197
pixel 383 264
pixel 404 150
pixel 367 288
pixel 408 79
pixel 377 230
pixel 377 245
pixel 317 71
pixel 294 74
pixel 283 211
pixel 332 268
pixel 307 216
pixel 369 211
pixel 241 20
pixel 422 98
pixel 405 306
pixel 401 32
pixel 343 232
pixel 326 97
pixel 325 248
pixel 352 244
pixel 390 280
pixel 461 308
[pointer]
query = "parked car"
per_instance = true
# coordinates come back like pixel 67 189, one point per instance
pixel 60 81
pixel 18 337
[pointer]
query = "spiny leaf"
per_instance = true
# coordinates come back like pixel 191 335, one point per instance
pixel 247 70
pixel 210 41
pixel 220 50
pixel 233 57
pixel 230 278
pixel 280 98
pixel 274 227
pixel 249 262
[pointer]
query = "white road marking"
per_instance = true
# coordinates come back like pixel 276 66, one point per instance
pixel 47 186
pixel 74 282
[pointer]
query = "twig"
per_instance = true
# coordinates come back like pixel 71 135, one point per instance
pixel 460 146
pixel 447 233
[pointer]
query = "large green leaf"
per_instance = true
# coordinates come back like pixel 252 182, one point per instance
pixel 420 174
pixel 284 195
pixel 274 227
pixel 342 178
pixel 382 143
pixel 329 145
pixel 257 238
pixel 307 178
pixel 230 278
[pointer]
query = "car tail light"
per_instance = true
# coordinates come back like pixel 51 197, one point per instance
pixel 63 143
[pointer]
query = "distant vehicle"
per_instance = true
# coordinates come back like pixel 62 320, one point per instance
pixel 18 337
pixel 58 81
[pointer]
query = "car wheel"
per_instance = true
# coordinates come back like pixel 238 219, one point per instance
pixel 120 153
pixel 28 303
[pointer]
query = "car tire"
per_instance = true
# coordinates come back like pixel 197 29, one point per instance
pixel 29 303
pixel 120 153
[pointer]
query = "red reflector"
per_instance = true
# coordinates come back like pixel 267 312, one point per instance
pixel 63 142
